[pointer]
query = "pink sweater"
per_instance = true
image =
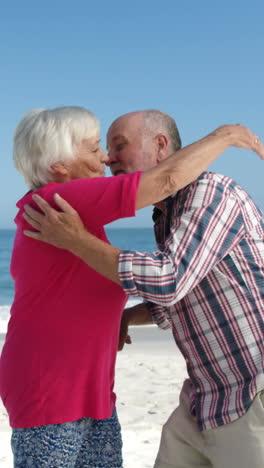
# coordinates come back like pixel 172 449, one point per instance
pixel 58 361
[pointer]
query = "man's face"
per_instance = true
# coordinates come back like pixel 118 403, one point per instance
pixel 128 149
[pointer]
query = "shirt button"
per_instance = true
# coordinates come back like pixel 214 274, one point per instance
pixel 198 390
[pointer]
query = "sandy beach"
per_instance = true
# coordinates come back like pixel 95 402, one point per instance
pixel 149 376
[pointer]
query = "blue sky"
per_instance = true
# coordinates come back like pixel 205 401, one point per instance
pixel 202 62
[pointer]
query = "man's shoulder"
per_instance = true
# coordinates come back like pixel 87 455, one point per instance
pixel 212 180
pixel 208 188
pixel 208 178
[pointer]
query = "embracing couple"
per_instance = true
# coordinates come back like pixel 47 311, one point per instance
pixel 206 282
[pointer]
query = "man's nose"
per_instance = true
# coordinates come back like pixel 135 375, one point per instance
pixel 111 158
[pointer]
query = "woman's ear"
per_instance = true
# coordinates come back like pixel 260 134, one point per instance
pixel 60 171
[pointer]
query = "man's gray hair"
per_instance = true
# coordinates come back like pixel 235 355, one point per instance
pixel 46 136
pixel 156 122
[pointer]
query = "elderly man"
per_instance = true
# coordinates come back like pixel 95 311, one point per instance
pixel 206 282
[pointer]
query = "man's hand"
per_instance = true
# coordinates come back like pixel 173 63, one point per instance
pixel 59 228
pixel 66 230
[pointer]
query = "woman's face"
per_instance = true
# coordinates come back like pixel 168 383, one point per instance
pixel 90 160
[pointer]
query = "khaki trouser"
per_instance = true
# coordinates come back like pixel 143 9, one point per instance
pixel 239 444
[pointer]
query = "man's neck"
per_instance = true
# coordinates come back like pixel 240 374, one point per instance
pixel 161 206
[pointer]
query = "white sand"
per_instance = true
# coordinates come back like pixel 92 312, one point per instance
pixel 149 376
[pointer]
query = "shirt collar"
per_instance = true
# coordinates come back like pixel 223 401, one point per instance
pixel 167 202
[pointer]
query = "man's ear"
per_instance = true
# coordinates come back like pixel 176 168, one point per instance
pixel 162 146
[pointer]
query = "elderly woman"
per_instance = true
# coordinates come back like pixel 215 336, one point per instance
pixel 57 364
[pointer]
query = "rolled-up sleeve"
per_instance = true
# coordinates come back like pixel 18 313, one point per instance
pixel 201 235
pixel 160 315
pixel 149 275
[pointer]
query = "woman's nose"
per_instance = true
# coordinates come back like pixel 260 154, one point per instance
pixel 104 157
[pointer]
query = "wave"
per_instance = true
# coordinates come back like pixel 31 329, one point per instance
pixel 4 317
pixel 5 312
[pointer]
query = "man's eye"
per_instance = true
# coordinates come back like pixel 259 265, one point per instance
pixel 119 147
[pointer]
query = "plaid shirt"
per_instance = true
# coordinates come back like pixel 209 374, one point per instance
pixel 207 283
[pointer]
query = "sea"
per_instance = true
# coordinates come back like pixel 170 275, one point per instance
pixel 141 239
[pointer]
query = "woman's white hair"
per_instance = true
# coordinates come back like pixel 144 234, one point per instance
pixel 46 136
